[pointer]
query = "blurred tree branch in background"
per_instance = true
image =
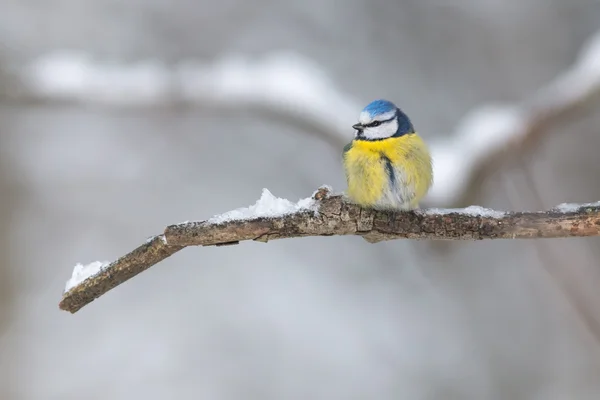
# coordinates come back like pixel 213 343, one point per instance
pixel 288 87
pixel 327 215
pixel 517 130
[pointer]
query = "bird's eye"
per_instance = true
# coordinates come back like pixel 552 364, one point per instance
pixel 375 123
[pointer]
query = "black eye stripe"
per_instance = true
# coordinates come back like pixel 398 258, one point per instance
pixel 377 123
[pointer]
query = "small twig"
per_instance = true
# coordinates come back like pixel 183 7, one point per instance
pixel 332 215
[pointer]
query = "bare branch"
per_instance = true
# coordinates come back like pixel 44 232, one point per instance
pixel 325 215
pixel 125 268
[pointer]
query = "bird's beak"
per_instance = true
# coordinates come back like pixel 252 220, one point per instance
pixel 358 127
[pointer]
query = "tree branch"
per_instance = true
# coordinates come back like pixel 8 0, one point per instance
pixel 492 135
pixel 328 215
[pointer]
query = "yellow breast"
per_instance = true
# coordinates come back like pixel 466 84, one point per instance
pixel 368 171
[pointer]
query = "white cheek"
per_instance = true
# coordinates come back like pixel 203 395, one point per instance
pixel 382 131
pixel 371 133
pixel 391 127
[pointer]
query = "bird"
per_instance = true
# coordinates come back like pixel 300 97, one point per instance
pixel 388 166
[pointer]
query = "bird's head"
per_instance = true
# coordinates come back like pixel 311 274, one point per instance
pixel 381 119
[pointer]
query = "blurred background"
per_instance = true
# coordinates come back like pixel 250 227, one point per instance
pixel 119 118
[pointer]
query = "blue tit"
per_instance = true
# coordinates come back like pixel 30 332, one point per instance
pixel 388 166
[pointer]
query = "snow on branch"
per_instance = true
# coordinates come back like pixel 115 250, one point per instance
pixel 491 134
pixel 283 85
pixel 326 214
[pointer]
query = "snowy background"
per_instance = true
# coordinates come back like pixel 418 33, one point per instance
pixel 86 176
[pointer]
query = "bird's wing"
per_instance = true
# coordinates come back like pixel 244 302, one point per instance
pixel 347 148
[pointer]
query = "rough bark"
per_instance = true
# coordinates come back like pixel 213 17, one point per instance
pixel 333 215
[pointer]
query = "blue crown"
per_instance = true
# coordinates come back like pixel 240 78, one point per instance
pixel 379 107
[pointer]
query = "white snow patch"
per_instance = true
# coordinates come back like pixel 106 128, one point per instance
pixel 162 237
pixel 74 75
pixel 588 62
pixel 282 81
pixel 474 211
pixel 572 207
pixel 82 272
pixel 328 188
pixel 268 206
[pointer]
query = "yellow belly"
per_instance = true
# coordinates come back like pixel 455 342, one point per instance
pixel 399 183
